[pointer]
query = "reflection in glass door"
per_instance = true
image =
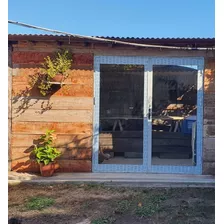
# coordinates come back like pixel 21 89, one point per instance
pixel 174 115
pixel 121 114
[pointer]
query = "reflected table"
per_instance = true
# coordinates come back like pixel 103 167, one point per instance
pixel 117 121
pixel 176 121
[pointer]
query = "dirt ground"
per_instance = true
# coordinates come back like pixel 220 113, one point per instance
pixel 99 204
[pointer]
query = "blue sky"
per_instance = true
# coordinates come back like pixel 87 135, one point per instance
pixel 137 18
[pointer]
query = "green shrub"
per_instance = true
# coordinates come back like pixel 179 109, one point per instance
pixel 44 151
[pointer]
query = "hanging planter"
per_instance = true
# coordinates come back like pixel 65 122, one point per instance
pixel 57 78
pixel 55 71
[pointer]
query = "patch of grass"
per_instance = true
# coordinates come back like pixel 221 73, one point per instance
pixel 146 209
pixel 38 203
pixel 121 189
pixel 149 205
pixel 122 206
pixel 93 186
pixel 108 220
pixel 86 204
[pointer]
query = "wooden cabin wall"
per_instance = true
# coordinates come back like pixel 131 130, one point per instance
pixel 69 111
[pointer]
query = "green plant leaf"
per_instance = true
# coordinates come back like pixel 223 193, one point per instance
pixel 44 151
pixel 59 64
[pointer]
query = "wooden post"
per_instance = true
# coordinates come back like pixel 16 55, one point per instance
pixel 9 104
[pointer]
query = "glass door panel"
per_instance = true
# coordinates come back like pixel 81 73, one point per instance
pixel 121 114
pixel 174 115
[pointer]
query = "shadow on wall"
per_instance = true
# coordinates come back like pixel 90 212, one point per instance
pixel 27 78
pixel 25 100
pixel 26 97
pixel 79 148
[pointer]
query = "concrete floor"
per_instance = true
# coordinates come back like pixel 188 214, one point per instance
pixel 155 161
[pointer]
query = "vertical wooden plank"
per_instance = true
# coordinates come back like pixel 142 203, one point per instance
pixel 9 104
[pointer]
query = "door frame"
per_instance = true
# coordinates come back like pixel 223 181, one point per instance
pixel 148 63
pixel 197 63
pixel 96 167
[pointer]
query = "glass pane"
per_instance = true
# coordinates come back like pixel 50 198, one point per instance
pixel 121 114
pixel 174 117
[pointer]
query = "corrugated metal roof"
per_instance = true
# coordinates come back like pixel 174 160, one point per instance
pixel 118 38
pixel 30 35
pixel 157 38
pixel 180 42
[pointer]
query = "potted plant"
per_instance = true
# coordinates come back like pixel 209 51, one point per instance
pixel 46 154
pixel 55 70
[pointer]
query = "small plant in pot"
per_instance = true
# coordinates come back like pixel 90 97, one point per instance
pixel 46 154
pixel 55 70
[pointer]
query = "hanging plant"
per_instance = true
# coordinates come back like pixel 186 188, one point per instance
pixel 55 70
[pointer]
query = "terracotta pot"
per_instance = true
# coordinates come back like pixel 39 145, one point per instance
pixel 47 170
pixel 58 78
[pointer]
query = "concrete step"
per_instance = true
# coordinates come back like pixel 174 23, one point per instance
pixel 124 179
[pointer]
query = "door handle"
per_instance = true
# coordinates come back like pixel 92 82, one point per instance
pixel 149 113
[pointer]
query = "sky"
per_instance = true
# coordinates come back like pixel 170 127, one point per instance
pixel 123 18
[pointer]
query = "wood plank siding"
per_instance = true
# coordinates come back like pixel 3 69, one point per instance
pixel 68 111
